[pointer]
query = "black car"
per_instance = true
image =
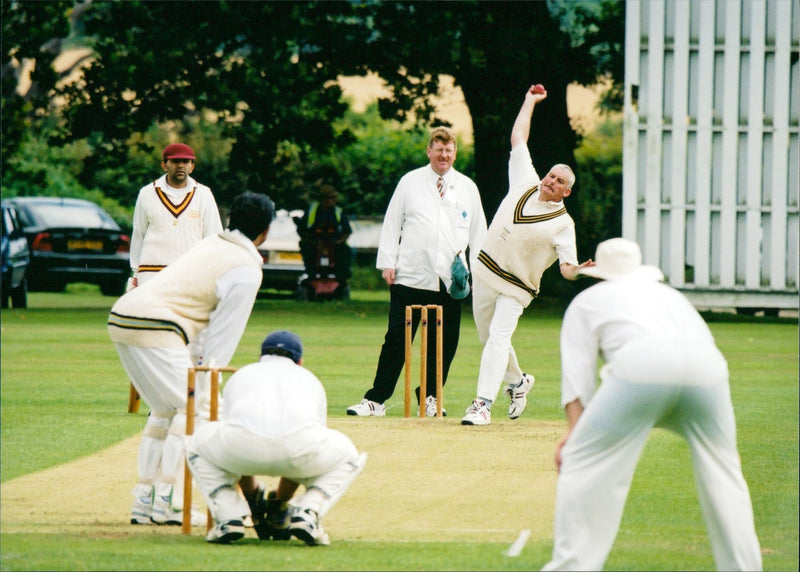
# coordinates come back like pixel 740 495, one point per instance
pixel 15 258
pixel 73 240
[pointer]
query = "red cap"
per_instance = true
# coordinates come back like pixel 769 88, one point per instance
pixel 177 151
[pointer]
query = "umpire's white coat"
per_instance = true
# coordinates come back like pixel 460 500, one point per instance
pixel 273 423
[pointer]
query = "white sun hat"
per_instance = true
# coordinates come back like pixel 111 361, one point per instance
pixel 619 258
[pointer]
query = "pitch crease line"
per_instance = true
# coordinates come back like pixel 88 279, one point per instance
pixel 516 547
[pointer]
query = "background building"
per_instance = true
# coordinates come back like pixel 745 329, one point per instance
pixel 710 165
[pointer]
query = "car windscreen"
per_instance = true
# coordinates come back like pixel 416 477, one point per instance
pixel 67 215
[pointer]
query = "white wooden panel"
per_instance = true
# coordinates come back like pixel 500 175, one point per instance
pixel 655 131
pixel 680 120
pixel 780 145
pixel 755 135
pixel 702 175
pixel 630 132
pixel 730 144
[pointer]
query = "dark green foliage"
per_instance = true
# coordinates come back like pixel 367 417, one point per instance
pixel 367 169
pixel 31 31
pixel 599 182
pixel 251 85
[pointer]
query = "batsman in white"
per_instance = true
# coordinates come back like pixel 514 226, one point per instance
pixel 529 232
pixel 192 313
pixel 273 423
pixel 661 368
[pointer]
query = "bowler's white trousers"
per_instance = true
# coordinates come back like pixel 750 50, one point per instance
pixel 219 454
pixel 599 459
pixel 496 317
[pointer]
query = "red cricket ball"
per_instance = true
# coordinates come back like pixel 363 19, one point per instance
pixel 538 88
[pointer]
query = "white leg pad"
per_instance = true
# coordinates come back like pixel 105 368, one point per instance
pixel 152 446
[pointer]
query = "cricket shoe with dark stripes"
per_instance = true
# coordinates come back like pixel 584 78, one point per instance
pixel 519 395
pixel 367 408
pixel 305 526
pixel 226 532
pixel 478 413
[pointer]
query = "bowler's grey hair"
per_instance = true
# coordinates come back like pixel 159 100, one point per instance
pixel 571 178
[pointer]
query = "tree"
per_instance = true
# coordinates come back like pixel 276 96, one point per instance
pixel 31 33
pixel 495 51
pixel 266 71
pixel 237 61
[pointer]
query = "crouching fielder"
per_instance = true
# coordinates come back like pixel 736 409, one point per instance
pixel 662 368
pixel 273 423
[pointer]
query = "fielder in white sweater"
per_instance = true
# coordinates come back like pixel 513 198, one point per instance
pixel 171 215
pixel 192 313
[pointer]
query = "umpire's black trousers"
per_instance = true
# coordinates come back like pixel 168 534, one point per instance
pixel 392 358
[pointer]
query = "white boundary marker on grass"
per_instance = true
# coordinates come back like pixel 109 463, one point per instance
pixel 516 547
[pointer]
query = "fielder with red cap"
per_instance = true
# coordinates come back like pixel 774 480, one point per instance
pixel 171 215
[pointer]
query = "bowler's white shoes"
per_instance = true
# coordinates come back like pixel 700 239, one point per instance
pixel 367 408
pixel 519 395
pixel 477 414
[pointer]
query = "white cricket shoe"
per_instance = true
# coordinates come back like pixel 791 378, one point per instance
pixel 430 407
pixel 226 532
pixel 165 514
pixel 477 414
pixel 519 395
pixel 367 408
pixel 305 526
pixel 142 507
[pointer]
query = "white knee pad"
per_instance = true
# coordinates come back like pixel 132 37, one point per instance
pixel 157 425
pixel 325 491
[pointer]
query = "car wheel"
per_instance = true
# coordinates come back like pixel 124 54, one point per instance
pixel 114 287
pixel 19 295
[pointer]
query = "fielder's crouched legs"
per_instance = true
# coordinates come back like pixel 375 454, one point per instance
pixel 218 487
pixel 322 493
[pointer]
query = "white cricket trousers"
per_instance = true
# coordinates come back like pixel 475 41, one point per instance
pixel 159 375
pixel 496 316
pixel 599 459
pixel 219 454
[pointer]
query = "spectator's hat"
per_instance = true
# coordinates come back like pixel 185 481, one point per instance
pixel 619 258
pixel 283 343
pixel 177 151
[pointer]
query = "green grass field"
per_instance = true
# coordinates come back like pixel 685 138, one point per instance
pixel 64 399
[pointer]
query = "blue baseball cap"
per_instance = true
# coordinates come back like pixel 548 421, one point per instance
pixel 283 343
